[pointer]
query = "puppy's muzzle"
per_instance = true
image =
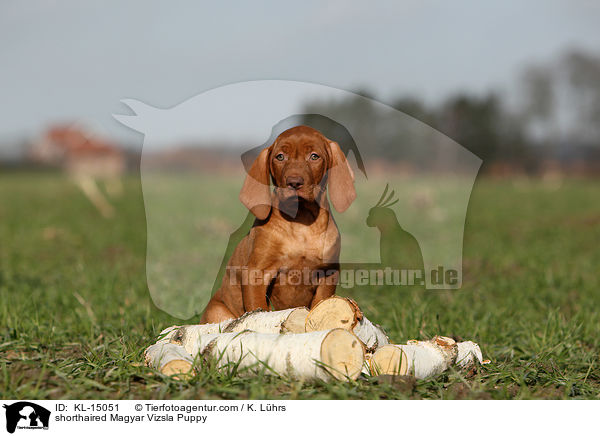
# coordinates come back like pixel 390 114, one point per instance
pixel 294 182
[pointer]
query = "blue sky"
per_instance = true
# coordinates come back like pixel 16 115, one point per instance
pixel 66 60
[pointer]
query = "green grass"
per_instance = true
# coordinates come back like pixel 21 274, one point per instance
pixel 75 311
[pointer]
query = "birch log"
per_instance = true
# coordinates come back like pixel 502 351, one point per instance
pixel 323 355
pixel 169 359
pixel 280 321
pixel 340 312
pixel 420 358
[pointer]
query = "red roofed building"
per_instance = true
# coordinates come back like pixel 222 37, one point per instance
pixel 87 158
pixel 79 152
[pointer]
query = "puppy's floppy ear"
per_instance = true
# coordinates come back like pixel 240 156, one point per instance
pixel 256 192
pixel 341 179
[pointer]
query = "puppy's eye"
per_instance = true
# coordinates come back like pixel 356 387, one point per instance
pixel 280 157
pixel 314 156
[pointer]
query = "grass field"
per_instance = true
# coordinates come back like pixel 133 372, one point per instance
pixel 75 311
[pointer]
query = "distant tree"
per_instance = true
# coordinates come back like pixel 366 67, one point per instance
pixel 482 125
pixel 415 108
pixel 583 72
pixel 560 107
pixel 538 100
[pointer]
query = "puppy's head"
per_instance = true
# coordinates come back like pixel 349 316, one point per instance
pixel 301 163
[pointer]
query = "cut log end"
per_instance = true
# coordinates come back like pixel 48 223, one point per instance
pixel 334 312
pixel 342 354
pixel 169 359
pixel 389 359
pixel 340 312
pixel 179 369
pixel 295 322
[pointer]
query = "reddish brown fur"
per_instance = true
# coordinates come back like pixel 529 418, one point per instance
pixel 294 229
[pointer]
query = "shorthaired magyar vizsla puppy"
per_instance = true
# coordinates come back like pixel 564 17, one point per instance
pixel 290 258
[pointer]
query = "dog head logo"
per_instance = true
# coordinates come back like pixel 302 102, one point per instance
pixel 192 216
pixel 26 415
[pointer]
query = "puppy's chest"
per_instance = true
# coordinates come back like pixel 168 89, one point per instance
pixel 303 247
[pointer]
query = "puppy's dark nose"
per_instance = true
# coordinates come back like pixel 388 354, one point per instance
pixel 294 182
